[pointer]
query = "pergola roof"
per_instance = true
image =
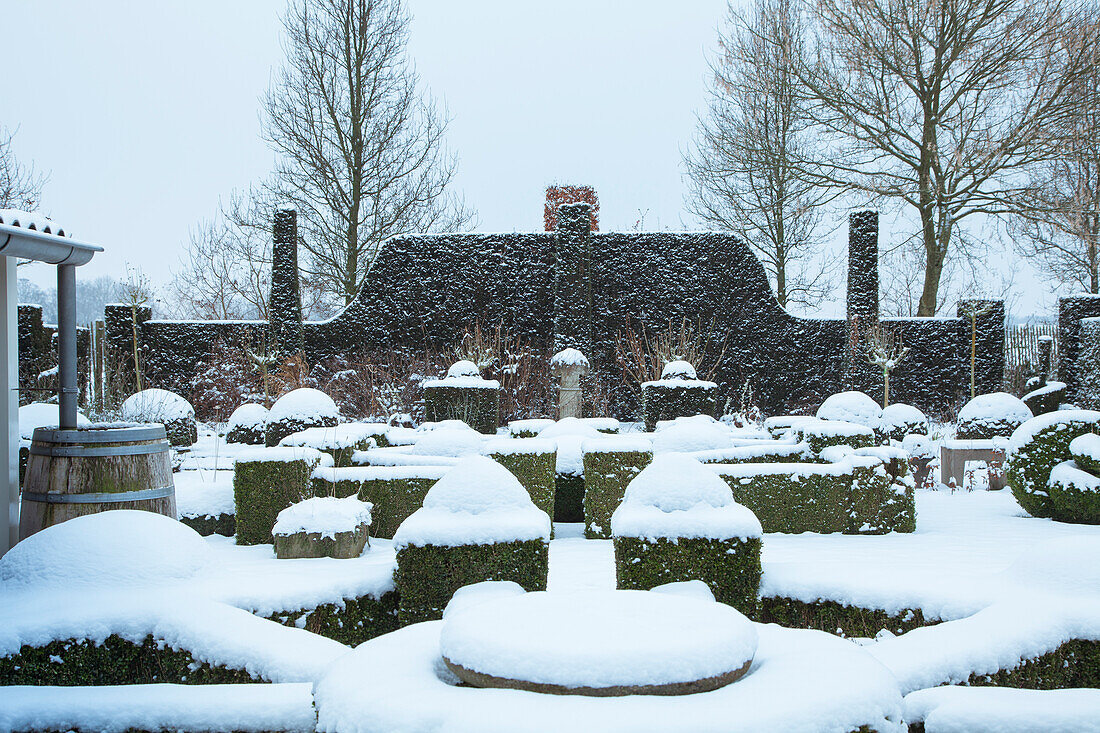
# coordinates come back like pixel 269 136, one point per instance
pixel 32 237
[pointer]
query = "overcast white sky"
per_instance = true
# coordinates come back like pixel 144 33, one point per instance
pixel 146 114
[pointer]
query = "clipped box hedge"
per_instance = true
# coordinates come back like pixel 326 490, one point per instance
pixel 822 434
pixel 478 407
pixel 220 524
pixel 1074 494
pixel 533 462
pixel 428 575
pixel 395 491
pixel 1036 448
pixel 349 621
pixel 856 496
pixel 568 497
pixel 668 399
pixel 730 567
pixel 766 451
pixel 838 618
pixel 114 661
pixel 266 481
pixel 609 465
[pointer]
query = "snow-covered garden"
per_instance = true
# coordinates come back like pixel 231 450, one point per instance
pixel 713 569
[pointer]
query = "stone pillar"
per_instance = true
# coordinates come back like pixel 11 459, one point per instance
pixel 569 365
pixel 863 267
pixel 285 304
pixel 572 278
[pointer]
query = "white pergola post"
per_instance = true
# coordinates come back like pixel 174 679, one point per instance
pixel 9 383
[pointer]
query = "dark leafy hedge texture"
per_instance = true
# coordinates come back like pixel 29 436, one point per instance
pixel 427 576
pixel 393 499
pixel 668 402
pixel 276 430
pixel 536 471
pixel 1027 469
pixel 262 489
pixel 114 662
pixel 223 524
pixel 351 621
pixel 1071 503
pixel 477 407
pixel 838 618
pixel 731 568
pixel 568 498
pixel 606 475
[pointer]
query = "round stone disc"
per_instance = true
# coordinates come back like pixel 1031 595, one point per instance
pixel 599 643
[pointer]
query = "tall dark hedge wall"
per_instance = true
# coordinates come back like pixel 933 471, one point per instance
pixel 38 353
pixel 1070 313
pixel 429 288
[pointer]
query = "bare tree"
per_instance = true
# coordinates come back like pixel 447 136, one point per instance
pixel 359 147
pixel 940 104
pixel 20 185
pixel 742 164
pixel 1058 226
pixel 885 351
pixel 226 266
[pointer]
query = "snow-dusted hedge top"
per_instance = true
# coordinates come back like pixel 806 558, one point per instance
pixel 450 438
pixel 303 404
pixel 250 416
pixel 996 406
pixel 324 515
pixel 463 373
pixel 336 437
pixel 690 434
pixel 477 502
pixel 899 416
pixel 853 407
pixel 676 496
pixel 156 405
pixel 284 454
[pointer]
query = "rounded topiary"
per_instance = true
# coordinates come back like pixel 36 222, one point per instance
pixel 297 410
pixel 1074 494
pixel 678 393
pixel 167 408
pixel 900 420
pixel 1085 450
pixel 463 395
pixel 854 407
pixel 986 416
pixel 247 425
pixel 1036 447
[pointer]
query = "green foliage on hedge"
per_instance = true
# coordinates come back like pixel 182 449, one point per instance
pixel 1027 469
pixel 606 475
pixel 393 499
pixel 1071 503
pixel 536 471
pixel 663 401
pixel 1074 664
pixel 262 489
pixel 114 662
pixel 351 621
pixel 819 442
pixel 568 498
pixel 276 430
pixel 427 576
pixel 730 567
pixel 779 453
pixel 478 407
pixel 865 500
pixel 246 434
pixel 838 618
pixel 181 432
pixel 1084 461
pixel 223 524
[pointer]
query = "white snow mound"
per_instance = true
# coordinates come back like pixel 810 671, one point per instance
pixel 156 405
pixel 851 406
pixel 995 406
pixel 304 403
pixel 250 415
pixel 450 441
pixel 116 548
pixel 678 369
pixel 687 435
pixel 326 515
pixel 41 415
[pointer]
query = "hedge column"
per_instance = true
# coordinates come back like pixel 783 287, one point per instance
pixel 286 300
pixel 572 278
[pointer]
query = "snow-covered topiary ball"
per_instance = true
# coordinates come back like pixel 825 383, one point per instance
pixel 247 424
pixel 899 420
pixel 463 368
pixel 989 415
pixel 852 406
pixel 678 369
pixel 297 410
pixel 167 408
pixel 106 550
pixel 689 434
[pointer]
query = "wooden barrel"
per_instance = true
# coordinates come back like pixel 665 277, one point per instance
pixel 93 469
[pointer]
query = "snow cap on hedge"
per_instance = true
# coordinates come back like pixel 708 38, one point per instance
pixel 995 406
pixel 156 405
pixel 901 415
pixel 251 415
pixel 674 482
pixel 678 369
pixel 463 368
pixel 689 434
pixel 477 484
pixel 303 404
pixel 1030 428
pixel 851 406
pixel 123 547
pixel 452 438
